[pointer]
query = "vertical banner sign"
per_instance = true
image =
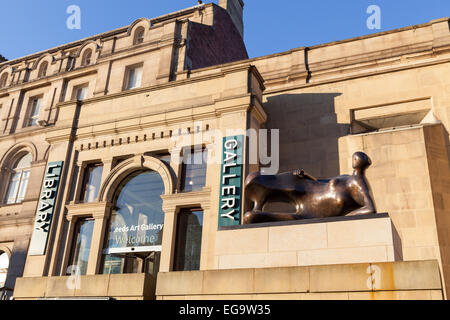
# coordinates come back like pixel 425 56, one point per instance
pixel 230 206
pixel 46 208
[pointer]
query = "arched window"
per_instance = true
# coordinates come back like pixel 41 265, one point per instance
pixel 136 226
pixel 3 80
pixel 18 181
pixel 4 264
pixel 139 35
pixel 43 69
pixel 87 58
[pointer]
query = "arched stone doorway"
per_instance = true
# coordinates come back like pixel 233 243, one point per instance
pixel 133 236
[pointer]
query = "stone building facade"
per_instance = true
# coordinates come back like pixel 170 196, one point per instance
pixel 88 128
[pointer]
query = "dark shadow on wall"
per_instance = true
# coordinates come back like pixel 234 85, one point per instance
pixel 16 263
pixel 309 132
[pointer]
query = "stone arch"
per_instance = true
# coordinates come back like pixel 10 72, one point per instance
pixel 7 250
pixel 12 153
pixel 91 44
pixel 8 71
pixel 8 161
pixel 139 22
pixel 135 26
pixel 88 45
pixel 46 56
pixel 5 68
pixel 127 167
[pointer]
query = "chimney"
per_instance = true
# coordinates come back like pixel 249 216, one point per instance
pixel 235 9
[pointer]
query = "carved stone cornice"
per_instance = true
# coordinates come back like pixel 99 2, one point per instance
pixel 97 210
pixel 187 199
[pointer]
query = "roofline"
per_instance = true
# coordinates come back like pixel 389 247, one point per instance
pixel 192 9
pixel 378 34
pixel 106 34
pixel 368 36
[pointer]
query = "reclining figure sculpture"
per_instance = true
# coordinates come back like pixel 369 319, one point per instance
pixel 311 198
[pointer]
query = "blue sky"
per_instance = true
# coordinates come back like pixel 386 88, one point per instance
pixel 270 25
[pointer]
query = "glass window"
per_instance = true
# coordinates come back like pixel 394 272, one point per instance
pixel 43 69
pixel 134 77
pixel 189 240
pixel 81 93
pixel 4 264
pixel 81 246
pixel 3 80
pixel 92 180
pixel 139 35
pixel 194 170
pixel 70 63
pixel 18 181
pixel 137 220
pixel 87 57
pixel 35 108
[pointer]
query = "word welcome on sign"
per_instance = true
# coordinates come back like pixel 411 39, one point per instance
pixel 231 181
pixel 46 208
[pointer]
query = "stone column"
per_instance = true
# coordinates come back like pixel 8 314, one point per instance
pixel 168 240
pixel 207 242
pixel 79 181
pixel 98 235
pixel 68 245
pixel 176 165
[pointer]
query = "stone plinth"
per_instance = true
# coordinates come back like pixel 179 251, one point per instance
pixel 414 280
pixel 342 240
pixel 117 286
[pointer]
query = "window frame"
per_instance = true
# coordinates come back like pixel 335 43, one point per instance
pixel 76 91
pixel 139 36
pixel 128 73
pixel 177 240
pixel 73 245
pixel 126 253
pixel 43 69
pixel 85 181
pixel 86 59
pixel 13 172
pixel 183 168
pixel 29 122
pixel 3 252
pixel 4 80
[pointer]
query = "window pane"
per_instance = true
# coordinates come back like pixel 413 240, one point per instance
pixel 194 170
pixel 13 188
pixel 189 240
pixel 87 58
pixel 34 112
pixel 82 246
pixel 24 162
pixel 113 265
pixel 23 186
pixel 82 93
pixel 93 179
pixel 4 264
pixel 134 77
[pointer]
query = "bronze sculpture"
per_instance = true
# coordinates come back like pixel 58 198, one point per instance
pixel 311 198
